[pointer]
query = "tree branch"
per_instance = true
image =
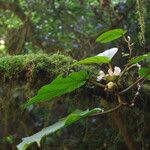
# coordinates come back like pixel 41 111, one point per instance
pixel 134 84
pixel 109 111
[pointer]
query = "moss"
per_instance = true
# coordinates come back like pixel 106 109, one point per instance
pixel 141 10
pixel 12 66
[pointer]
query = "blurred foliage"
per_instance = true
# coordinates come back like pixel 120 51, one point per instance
pixel 69 27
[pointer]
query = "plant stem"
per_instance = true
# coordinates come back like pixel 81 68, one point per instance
pixel 98 84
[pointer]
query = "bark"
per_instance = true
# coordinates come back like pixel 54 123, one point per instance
pixel 116 117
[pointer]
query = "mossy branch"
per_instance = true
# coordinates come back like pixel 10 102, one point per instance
pixel 14 67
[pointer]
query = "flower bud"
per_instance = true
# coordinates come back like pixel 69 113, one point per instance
pixel 111 86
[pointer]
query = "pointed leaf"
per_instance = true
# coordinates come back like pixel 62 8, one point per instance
pixel 104 57
pixel 139 58
pixel 94 60
pixel 110 53
pixel 65 122
pixel 61 85
pixel 111 35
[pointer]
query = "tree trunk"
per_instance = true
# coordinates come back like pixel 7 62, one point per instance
pixel 116 117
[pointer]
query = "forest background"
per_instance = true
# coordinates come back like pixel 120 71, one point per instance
pixel 38 40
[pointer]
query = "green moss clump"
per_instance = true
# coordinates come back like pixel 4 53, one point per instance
pixel 12 66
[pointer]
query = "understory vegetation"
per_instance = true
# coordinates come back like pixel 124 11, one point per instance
pixel 74 75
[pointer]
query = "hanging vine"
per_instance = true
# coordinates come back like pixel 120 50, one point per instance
pixel 141 11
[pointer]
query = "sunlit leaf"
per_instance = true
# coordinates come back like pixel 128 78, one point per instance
pixel 61 85
pixel 94 60
pixel 65 122
pixel 110 35
pixel 104 57
pixel 110 53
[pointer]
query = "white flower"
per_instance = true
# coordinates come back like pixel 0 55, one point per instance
pixel 117 71
pixel 101 75
pixel 111 74
pixel 109 53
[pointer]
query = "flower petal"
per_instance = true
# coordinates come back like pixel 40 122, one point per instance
pixel 99 78
pixel 117 71
pixel 101 75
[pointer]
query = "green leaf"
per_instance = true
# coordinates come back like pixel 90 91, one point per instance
pixel 111 35
pixel 61 85
pixel 104 57
pixel 110 53
pixel 65 122
pixel 94 60
pixel 139 58
pixel 143 72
